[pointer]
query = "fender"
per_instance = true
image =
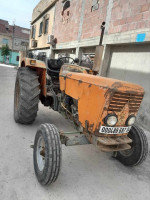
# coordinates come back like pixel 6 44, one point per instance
pixel 40 68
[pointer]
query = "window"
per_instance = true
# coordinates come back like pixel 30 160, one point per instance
pixel 17 58
pixel 5 41
pixel 95 5
pixel 33 32
pixel 66 6
pixel 41 29
pixel 46 26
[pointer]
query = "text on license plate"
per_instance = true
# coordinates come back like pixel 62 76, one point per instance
pixel 114 130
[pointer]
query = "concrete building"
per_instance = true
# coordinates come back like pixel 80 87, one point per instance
pixel 76 26
pixel 42 28
pixel 16 37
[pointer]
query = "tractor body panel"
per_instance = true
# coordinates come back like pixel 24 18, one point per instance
pixel 32 63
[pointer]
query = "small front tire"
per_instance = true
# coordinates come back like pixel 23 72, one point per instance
pixel 47 154
pixel 139 148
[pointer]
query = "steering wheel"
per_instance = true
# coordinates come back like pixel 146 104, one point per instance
pixel 64 60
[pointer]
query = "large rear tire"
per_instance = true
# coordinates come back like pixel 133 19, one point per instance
pixel 26 96
pixel 47 154
pixel 139 148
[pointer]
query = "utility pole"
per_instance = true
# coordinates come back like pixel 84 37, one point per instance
pixel 13 33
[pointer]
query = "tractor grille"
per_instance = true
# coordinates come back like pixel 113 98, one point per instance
pixel 119 100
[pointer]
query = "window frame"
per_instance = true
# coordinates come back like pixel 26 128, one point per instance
pixel 33 33
pixel 41 28
pixel 46 26
pixel 4 43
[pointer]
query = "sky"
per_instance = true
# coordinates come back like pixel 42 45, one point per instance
pixel 19 11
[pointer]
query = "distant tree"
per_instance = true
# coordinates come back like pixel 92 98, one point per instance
pixel 5 51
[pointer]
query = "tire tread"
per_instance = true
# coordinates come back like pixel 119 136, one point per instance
pixel 140 150
pixel 54 153
pixel 29 96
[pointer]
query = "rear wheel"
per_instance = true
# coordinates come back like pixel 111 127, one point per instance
pixel 26 96
pixel 139 148
pixel 47 154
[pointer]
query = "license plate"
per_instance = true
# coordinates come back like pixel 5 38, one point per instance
pixel 114 130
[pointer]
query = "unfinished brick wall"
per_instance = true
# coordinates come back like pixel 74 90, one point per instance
pixel 129 15
pixel 67 28
pixel 80 22
pixel 93 20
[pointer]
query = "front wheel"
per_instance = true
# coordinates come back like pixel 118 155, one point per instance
pixel 47 154
pixel 139 148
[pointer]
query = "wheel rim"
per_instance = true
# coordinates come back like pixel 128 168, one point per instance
pixel 40 154
pixel 17 95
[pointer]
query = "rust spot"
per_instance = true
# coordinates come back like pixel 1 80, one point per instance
pixel 105 109
pixel 90 127
pixel 109 92
pixel 80 81
pixel 117 85
pixel 69 75
pixel 86 125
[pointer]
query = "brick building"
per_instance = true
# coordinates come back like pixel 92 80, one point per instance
pixel 16 37
pixel 76 26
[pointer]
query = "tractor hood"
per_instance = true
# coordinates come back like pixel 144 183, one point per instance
pixel 107 83
pixel 97 96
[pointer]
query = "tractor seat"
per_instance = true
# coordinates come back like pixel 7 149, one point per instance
pixel 53 67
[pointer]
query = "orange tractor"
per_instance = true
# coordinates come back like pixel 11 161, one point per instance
pixel 103 109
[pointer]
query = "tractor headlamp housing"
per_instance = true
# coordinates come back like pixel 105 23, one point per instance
pixel 111 120
pixel 131 120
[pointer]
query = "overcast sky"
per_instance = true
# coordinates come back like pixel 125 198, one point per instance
pixel 18 10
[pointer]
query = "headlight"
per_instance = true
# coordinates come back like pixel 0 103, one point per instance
pixel 111 120
pixel 130 121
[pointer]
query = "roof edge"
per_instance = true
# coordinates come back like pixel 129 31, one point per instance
pixel 44 11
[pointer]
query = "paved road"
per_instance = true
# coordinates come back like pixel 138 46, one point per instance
pixel 86 173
